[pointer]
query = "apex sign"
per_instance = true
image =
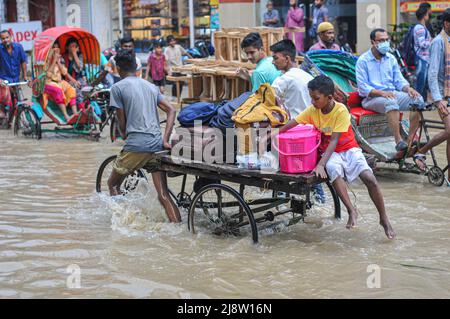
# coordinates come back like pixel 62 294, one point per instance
pixel 24 33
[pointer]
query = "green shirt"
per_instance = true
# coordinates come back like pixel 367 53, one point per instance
pixel 265 72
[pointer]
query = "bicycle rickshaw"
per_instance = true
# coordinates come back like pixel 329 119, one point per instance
pixel 30 120
pixel 371 129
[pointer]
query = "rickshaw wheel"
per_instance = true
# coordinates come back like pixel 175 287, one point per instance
pixel 436 176
pixel 129 184
pixel 27 124
pixel 220 210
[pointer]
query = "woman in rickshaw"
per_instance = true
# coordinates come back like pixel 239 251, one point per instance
pixel 75 65
pixel 58 90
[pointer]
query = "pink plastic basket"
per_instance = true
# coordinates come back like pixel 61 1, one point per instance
pixel 297 149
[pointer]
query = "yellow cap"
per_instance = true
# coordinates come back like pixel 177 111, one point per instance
pixel 324 26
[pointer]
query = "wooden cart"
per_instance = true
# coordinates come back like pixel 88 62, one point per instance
pixel 222 209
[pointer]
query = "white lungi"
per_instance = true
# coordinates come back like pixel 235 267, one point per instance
pixel 349 165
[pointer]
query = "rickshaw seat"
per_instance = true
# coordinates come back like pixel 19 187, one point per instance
pixel 354 103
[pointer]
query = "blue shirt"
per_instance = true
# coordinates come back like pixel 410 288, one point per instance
pixel 384 75
pixel 422 42
pixel 10 65
pixel 270 15
pixel 319 16
pixel 436 72
pixel 265 72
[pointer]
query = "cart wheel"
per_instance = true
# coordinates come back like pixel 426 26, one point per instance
pixel 220 210
pixel 114 129
pixel 129 184
pixel 326 203
pixel 436 176
pixel 27 124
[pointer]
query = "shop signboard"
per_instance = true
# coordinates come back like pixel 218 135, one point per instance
pixel 412 6
pixel 24 32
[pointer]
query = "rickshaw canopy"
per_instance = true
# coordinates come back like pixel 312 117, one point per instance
pixel 89 46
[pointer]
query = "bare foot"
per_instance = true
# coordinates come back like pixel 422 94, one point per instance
pixel 352 219
pixel 390 233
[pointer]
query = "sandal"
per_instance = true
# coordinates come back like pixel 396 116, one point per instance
pixel 419 160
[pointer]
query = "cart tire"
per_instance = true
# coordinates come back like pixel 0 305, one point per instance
pixel 210 200
pixel 336 201
pixel 27 124
pixel 326 203
pixel 436 176
pixel 129 184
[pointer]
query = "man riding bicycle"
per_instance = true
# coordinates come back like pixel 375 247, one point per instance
pixel 13 61
pixel 439 84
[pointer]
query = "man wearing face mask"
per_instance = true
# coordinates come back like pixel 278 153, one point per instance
pixel 383 87
pixel 13 60
pixel 326 38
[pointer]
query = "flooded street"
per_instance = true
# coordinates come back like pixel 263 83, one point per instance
pixel 52 222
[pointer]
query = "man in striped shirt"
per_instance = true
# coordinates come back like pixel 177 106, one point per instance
pixel 422 43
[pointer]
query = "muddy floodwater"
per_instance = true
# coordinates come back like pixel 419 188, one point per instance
pixel 54 226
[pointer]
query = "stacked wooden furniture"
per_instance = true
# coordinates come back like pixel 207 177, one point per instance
pixel 215 79
pixel 212 80
pixel 227 42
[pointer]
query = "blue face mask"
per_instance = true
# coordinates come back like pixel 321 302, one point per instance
pixel 384 47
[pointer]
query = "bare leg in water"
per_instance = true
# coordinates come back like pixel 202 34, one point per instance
pixel 160 182
pixel 341 189
pixel 114 182
pixel 377 198
pixel 375 194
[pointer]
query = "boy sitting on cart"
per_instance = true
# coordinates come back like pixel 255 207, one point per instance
pixel 136 102
pixel 341 155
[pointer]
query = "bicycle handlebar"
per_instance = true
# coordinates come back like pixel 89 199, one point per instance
pixel 429 107
pixel 15 84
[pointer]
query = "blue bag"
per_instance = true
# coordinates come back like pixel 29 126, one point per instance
pixel 200 111
pixel 222 120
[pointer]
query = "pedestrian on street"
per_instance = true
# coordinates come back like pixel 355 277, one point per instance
pixel 295 19
pixel 271 17
pixel 13 61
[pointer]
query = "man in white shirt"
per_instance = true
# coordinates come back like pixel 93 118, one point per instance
pixel 291 87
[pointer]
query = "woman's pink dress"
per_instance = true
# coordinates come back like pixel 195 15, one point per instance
pixel 295 19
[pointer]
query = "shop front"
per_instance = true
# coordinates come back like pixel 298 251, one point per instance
pixel 101 17
pixel 149 20
pixel 38 10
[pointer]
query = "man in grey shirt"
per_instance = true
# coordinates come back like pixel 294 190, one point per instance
pixel 440 89
pixel 271 16
pixel 136 102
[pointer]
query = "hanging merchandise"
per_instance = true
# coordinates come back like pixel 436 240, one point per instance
pixel 147 20
pixel 215 21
